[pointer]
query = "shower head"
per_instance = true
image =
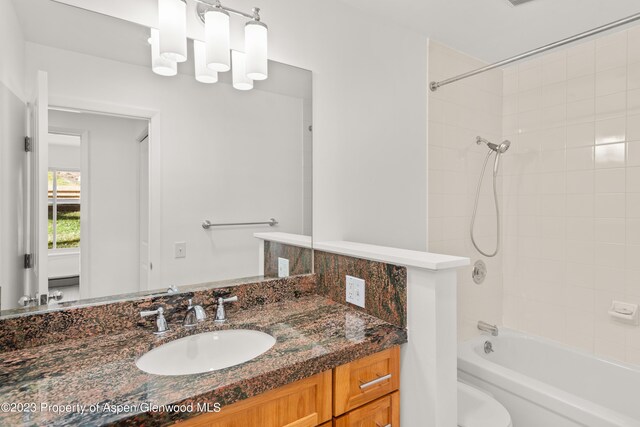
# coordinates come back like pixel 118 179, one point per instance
pixel 500 149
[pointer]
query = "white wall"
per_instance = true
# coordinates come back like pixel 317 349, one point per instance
pixel 457 114
pixel 12 132
pixel 12 45
pixel 572 193
pixel 12 163
pixel 369 109
pixel 227 156
pixel 113 192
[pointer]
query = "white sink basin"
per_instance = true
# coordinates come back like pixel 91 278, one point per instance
pixel 205 352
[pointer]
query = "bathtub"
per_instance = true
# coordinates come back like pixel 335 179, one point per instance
pixel 545 384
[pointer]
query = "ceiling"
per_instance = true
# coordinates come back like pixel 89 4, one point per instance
pixel 494 29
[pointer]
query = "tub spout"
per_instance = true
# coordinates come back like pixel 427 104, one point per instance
pixel 487 327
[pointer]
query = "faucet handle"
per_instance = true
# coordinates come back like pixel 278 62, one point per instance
pixel 221 315
pixel 161 322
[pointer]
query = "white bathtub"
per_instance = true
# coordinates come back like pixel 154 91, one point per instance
pixel 544 384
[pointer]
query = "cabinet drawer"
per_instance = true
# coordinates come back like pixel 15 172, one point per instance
pixel 384 412
pixel 365 380
pixel 306 403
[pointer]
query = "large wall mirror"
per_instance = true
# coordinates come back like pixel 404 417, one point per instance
pixel 126 165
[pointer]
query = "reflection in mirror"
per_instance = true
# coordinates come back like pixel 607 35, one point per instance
pixel 125 165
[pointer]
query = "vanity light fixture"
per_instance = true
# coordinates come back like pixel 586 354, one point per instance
pixel 240 79
pixel 172 18
pixel 204 74
pixel 213 55
pixel 160 65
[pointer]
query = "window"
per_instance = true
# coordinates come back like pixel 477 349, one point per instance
pixel 64 209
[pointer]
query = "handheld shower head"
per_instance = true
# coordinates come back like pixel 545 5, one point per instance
pixel 497 148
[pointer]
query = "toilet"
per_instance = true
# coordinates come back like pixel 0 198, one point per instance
pixel 477 409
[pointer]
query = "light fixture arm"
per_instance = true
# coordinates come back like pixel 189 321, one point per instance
pixel 206 6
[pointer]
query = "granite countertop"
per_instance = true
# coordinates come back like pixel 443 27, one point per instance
pixel 313 333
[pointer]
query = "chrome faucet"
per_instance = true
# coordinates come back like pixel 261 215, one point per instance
pixel 195 314
pixel 487 327
pixel 221 315
pixel 161 322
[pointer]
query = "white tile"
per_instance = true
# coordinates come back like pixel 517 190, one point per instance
pixel 581 88
pixel 581 60
pixel 610 205
pixel 610 279
pixel 581 229
pixel 554 94
pixel 510 104
pixel 633 180
pixel 556 70
pixel 580 158
pixel 529 78
pixel 633 41
pixel 610 155
pixel 633 102
pixel 610 180
pixel 580 182
pixel 552 161
pixel 633 231
pixel 611 255
pixel 633 128
pixel 529 100
pixel 611 130
pixel 633 76
pixel 611 51
pixel 610 106
pixel 580 205
pixel 610 230
pixel 581 111
pixel 553 139
pixel 633 153
pixel 633 207
pixel 579 251
pixel 580 134
pixel 510 83
pixel 611 81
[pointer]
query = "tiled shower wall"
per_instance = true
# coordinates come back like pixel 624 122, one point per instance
pixel 572 194
pixel 457 114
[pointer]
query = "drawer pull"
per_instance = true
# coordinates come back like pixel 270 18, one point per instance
pixel 380 425
pixel 374 382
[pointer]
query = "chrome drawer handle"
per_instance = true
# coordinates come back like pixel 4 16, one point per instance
pixel 374 382
pixel 379 425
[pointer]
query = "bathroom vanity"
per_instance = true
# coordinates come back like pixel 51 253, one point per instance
pixel 330 362
pixel 362 392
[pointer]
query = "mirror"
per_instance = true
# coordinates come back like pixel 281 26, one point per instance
pixel 125 166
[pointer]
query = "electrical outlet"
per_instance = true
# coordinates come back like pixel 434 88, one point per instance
pixel 283 267
pixel 355 291
pixel 180 249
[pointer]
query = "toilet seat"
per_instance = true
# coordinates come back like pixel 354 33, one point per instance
pixel 478 409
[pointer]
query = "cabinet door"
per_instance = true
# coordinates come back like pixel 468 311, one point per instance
pixel 306 403
pixel 384 412
pixel 365 380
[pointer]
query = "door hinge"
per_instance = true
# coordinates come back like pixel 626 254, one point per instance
pixel 28 261
pixel 28 146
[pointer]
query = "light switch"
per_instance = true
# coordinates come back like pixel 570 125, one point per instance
pixel 180 249
pixel 355 291
pixel 283 267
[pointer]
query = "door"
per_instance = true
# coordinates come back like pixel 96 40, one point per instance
pixel 144 211
pixel 36 236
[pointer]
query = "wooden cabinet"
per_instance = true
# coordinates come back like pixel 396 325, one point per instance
pixel 306 403
pixel 364 380
pixel 362 393
pixel 384 412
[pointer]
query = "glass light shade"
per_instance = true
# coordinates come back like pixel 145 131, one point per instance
pixel 204 74
pixel 240 79
pixel 218 39
pixel 160 65
pixel 172 18
pixel 255 41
